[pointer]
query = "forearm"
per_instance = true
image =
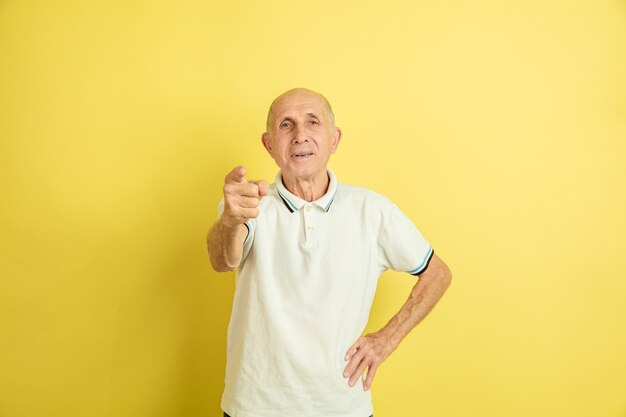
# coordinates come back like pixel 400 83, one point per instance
pixel 371 350
pixel 427 291
pixel 225 245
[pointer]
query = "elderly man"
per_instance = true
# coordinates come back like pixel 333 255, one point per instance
pixel 308 253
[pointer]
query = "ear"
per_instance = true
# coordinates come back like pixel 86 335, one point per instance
pixel 336 139
pixel 265 140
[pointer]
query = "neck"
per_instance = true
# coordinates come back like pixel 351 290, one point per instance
pixel 308 189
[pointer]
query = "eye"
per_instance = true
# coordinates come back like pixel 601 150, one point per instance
pixel 285 125
pixel 314 122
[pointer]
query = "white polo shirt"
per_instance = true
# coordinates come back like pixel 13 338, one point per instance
pixel 303 296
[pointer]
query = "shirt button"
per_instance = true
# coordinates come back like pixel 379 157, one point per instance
pixel 308 208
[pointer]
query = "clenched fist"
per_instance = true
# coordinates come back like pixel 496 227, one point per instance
pixel 241 197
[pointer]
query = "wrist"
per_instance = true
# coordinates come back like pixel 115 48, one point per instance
pixel 229 223
pixel 391 334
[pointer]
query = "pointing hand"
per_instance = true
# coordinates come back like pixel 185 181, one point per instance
pixel 241 197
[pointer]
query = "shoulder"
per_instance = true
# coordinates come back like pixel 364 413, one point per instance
pixel 364 205
pixel 354 194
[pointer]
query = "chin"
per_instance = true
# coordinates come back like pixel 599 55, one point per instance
pixel 298 171
pixel 309 173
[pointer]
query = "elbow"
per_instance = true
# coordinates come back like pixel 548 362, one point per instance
pixel 221 266
pixel 445 275
pixel 218 263
pixel 447 278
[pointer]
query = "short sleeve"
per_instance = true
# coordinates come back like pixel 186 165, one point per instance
pixel 250 225
pixel 403 246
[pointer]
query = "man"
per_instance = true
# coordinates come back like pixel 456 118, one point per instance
pixel 308 253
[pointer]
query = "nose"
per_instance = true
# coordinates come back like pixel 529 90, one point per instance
pixel 299 135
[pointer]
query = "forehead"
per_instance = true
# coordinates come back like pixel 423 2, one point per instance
pixel 297 104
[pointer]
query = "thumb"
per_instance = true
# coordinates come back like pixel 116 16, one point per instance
pixel 263 187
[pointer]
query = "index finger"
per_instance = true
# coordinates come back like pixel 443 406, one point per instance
pixel 237 174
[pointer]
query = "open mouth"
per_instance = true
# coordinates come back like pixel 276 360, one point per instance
pixel 302 155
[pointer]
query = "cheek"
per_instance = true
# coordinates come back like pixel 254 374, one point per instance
pixel 328 146
pixel 276 154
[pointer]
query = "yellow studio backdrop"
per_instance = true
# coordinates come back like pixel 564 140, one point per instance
pixel 499 127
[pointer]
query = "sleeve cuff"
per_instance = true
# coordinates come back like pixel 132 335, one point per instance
pixel 424 265
pixel 248 235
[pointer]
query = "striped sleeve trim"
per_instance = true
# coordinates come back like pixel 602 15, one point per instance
pixel 424 265
pixel 248 235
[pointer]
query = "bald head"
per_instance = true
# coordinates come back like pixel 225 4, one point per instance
pixel 287 95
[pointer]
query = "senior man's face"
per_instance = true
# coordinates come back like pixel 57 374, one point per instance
pixel 301 135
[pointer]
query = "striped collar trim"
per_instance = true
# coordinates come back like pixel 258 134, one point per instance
pixel 295 203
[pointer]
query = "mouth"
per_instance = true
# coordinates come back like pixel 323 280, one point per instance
pixel 302 155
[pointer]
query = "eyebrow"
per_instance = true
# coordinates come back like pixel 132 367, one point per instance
pixel 290 119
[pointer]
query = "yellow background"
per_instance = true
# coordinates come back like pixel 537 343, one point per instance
pixel 499 127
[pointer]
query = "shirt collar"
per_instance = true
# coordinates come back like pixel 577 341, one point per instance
pixel 295 203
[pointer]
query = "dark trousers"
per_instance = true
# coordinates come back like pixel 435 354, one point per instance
pixel 226 415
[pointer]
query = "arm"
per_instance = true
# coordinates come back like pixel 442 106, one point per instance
pixel 226 237
pixel 372 349
pixel 225 245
